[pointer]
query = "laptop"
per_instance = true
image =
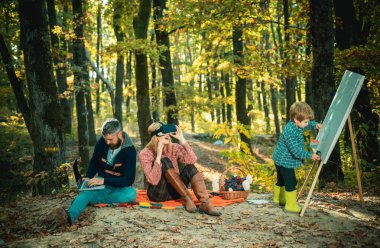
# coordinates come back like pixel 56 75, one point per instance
pixel 82 184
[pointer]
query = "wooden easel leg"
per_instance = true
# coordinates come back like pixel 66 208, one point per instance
pixel 306 180
pixel 311 189
pixel 356 161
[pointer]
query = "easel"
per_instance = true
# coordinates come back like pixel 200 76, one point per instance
pixel 320 168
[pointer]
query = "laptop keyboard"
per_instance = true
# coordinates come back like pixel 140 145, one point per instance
pixel 84 186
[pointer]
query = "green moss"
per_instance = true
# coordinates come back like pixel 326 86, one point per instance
pixel 15 142
pixel 16 149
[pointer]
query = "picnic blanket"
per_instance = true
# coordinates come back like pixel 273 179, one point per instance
pixel 143 201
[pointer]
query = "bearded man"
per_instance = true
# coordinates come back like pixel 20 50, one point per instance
pixel 113 164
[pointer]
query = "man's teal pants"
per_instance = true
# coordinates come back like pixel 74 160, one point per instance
pixel 108 195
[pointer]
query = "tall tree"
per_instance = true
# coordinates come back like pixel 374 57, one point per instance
pixel 241 85
pixel 322 81
pixel 217 95
pixel 266 107
pixel 128 83
pixel 209 93
pixel 162 37
pixel 117 19
pixel 289 80
pixel 352 29
pixel 98 51
pixel 80 82
pixel 60 67
pixel 140 26
pixel 46 119
pixel 308 90
pixel 192 83
pixel 90 113
pixel 155 87
pixel 17 85
pixel 227 84
pixel 281 53
pixel 273 91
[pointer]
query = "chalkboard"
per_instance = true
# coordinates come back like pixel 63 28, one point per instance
pixel 338 113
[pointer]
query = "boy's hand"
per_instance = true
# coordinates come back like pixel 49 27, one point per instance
pixel 319 126
pixel 315 157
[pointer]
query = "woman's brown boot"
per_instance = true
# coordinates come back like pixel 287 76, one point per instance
pixel 199 187
pixel 174 180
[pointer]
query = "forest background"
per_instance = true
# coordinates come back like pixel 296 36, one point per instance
pixel 222 70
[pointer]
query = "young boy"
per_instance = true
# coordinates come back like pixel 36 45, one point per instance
pixel 290 153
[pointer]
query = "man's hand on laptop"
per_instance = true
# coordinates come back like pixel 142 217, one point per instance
pixel 95 181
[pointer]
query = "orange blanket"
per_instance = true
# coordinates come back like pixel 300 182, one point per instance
pixel 143 200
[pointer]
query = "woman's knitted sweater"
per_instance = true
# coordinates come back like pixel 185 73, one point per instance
pixel 178 153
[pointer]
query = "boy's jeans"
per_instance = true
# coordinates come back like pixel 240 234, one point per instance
pixel 107 195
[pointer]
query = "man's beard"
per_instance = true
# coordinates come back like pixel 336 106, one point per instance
pixel 117 145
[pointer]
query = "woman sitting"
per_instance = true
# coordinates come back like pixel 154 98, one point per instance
pixel 166 181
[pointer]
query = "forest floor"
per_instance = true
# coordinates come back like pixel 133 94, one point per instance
pixel 333 219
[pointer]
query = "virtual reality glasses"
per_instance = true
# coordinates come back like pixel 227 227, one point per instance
pixel 164 129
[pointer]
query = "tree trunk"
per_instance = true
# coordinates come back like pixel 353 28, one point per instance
pixel 16 84
pixel 322 82
pixel 308 92
pixel 266 107
pixel 176 60
pixel 117 19
pixel 298 89
pixel 250 98
pixel 100 75
pixel 352 30
pixel 224 117
pixel 140 26
pixel 80 83
pixel 289 82
pixel 273 91
pixel 274 94
pixel 227 84
pixel 98 47
pixel 281 52
pixel 259 102
pixel 68 48
pixel 348 30
pixel 217 96
pixel 89 110
pixel 128 84
pixel 192 83
pixel 46 118
pixel 60 68
pixel 90 118
pixel 162 38
pixel 209 94
pixel 241 86
pixel 274 102
pixel 155 89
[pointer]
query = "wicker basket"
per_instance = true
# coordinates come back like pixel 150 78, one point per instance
pixel 230 195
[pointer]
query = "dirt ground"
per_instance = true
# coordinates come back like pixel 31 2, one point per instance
pixel 333 219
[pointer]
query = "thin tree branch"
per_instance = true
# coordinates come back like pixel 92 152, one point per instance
pixel 109 85
pixel 181 27
pixel 15 83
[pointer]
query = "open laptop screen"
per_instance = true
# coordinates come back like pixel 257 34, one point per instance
pixel 78 176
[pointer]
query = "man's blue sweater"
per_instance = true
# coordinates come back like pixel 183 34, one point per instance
pixel 121 172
